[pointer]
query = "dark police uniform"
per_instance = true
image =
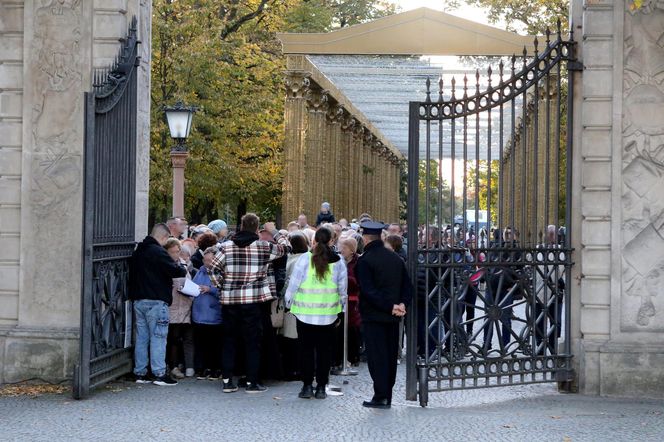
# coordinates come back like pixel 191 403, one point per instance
pixel 384 282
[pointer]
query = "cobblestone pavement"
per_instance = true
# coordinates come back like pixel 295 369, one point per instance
pixel 198 410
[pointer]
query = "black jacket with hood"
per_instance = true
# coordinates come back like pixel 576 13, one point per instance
pixel 151 272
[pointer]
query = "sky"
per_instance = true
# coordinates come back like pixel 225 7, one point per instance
pixel 465 11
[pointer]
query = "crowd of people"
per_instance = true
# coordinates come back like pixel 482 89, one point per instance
pixel 266 304
pixel 497 269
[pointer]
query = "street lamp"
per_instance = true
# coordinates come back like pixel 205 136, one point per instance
pixel 179 124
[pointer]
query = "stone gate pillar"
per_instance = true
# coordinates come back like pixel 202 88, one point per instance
pixel 618 196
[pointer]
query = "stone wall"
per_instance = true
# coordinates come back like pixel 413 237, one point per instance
pixel 47 52
pixel 619 187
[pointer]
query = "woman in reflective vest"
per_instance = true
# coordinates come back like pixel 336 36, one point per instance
pixel 316 295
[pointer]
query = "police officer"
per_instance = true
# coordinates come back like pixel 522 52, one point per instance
pixel 385 291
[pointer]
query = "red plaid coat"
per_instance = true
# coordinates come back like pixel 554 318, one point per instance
pixel 241 273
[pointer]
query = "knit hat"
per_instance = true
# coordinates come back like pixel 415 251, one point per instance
pixel 217 225
pixel 325 206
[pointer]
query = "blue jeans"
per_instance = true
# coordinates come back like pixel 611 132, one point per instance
pixel 151 318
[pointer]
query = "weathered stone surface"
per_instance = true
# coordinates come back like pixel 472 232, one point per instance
pixel 595 321
pixel 10 190
pixel 11 47
pixel 589 377
pixel 11 17
pixel 8 310
pixel 109 25
pixel 9 247
pixel 597 113
pixel 10 161
pixel 597 83
pixel 596 262
pixel 632 370
pixel 34 358
pixel 643 174
pixel 10 219
pixel 595 291
pixel 11 104
pixel 596 143
pixel 117 5
pixel 596 204
pixel 9 277
pixel 598 53
pixel 598 23
pixel 597 233
pixel 11 75
pixel 10 133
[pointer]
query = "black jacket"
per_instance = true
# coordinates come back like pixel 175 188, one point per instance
pixel 323 218
pixel 151 272
pixel 383 281
pixel 197 259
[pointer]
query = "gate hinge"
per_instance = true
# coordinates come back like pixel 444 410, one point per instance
pixel 575 66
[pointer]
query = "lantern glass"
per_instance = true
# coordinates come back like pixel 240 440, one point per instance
pixel 179 123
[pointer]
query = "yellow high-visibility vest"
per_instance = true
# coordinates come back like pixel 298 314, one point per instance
pixel 317 297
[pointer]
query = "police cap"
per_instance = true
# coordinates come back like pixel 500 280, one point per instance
pixel 372 227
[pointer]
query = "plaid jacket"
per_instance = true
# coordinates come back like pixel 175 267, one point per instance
pixel 241 273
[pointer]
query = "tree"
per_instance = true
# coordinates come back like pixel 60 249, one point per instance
pixel 532 16
pixel 223 56
pixel 327 15
pixel 484 186
pixel 434 195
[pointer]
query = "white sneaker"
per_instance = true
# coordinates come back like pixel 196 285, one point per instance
pixel 189 372
pixel 176 373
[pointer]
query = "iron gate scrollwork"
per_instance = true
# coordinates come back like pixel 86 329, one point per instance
pixel 108 220
pixel 489 166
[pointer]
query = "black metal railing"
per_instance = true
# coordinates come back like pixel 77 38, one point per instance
pixel 489 226
pixel 109 209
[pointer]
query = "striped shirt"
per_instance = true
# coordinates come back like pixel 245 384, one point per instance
pixel 299 275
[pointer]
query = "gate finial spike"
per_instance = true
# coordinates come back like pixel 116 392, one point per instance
pixel 548 36
pixel 477 81
pixel 465 86
pixel 536 43
pixel 513 63
pixel 560 34
pixel 525 57
pixel 501 67
pixel 453 88
pixel 440 90
pixel 489 71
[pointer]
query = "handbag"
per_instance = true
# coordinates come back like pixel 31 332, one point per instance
pixel 277 310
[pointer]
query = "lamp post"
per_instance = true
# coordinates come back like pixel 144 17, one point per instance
pixel 179 124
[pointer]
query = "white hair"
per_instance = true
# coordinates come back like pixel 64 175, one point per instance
pixel 187 248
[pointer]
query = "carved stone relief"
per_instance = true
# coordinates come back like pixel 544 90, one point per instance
pixel 643 170
pixel 57 109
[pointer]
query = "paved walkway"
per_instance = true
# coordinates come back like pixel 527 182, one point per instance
pixel 198 410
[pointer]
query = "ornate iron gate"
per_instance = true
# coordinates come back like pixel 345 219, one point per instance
pixel 489 165
pixel 108 221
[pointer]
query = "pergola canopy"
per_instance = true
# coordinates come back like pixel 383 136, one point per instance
pixel 377 68
pixel 421 31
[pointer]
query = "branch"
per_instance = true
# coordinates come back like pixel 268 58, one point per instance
pixel 242 20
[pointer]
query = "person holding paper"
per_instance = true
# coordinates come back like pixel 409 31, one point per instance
pixel 180 331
